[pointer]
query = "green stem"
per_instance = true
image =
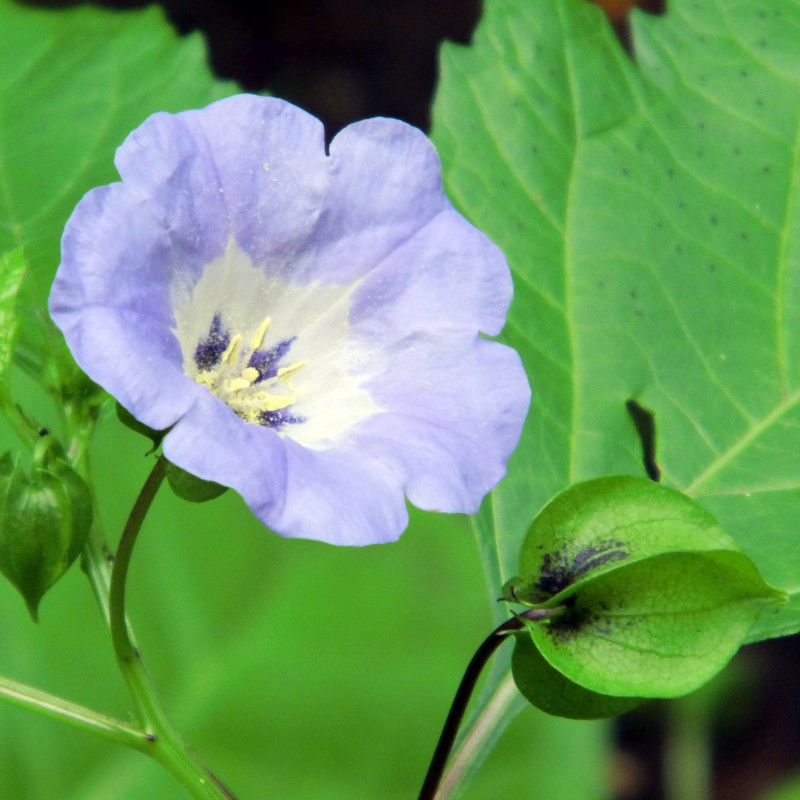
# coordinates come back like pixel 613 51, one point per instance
pixel 49 705
pixel 166 745
pixel 481 730
pixel 22 426
pixel 688 768
pixel 120 635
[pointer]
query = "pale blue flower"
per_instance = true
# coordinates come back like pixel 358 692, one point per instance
pixel 306 325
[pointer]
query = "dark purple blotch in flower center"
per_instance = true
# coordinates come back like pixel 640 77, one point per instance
pixel 276 419
pixel 208 352
pixel 267 361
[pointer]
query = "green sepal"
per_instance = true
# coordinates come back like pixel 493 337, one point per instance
pixel 45 517
pixel 552 692
pixel 129 421
pixel 190 487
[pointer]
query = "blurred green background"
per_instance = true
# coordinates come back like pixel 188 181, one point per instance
pixel 296 669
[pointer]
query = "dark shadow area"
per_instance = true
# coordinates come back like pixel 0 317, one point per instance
pixel 342 60
pixel 645 424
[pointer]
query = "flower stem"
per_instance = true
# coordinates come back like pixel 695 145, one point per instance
pixel 166 745
pixel 459 705
pixel 120 635
pixel 479 734
pixel 478 661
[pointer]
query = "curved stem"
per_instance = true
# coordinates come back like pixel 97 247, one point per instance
pixel 459 705
pixel 167 746
pixel 480 732
pixel 430 785
pixel 120 635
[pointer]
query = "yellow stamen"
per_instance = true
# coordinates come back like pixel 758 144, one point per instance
pixel 284 373
pixel 232 351
pixel 258 339
pixel 275 402
pixel 248 377
pixel 206 378
pixel 243 387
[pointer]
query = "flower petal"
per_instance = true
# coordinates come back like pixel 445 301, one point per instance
pixel 454 412
pixel 213 443
pixel 341 497
pixel 254 166
pixel 111 299
pixel 448 275
pixel 335 303
pixel 385 186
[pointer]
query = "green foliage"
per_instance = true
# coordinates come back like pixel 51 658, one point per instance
pixel 598 526
pixel 45 518
pixel 129 421
pixel 256 683
pixel 74 84
pixel 661 627
pixel 12 270
pixel 649 210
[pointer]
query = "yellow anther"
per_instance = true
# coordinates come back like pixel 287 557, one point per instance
pixel 246 389
pixel 232 350
pixel 275 402
pixel 258 339
pixel 284 373
pixel 237 384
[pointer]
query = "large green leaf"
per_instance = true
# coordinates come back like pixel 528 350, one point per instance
pixel 649 210
pixel 72 86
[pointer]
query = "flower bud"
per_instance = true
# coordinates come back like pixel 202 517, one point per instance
pixel 45 516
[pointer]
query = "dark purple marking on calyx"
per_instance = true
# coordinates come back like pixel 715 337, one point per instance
pixel 559 571
pixel 208 352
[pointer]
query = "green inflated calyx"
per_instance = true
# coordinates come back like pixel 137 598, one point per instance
pixel 654 597
pixel 552 692
pixel 45 516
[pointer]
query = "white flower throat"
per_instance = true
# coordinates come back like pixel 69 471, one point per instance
pixel 247 377
pixel 300 371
